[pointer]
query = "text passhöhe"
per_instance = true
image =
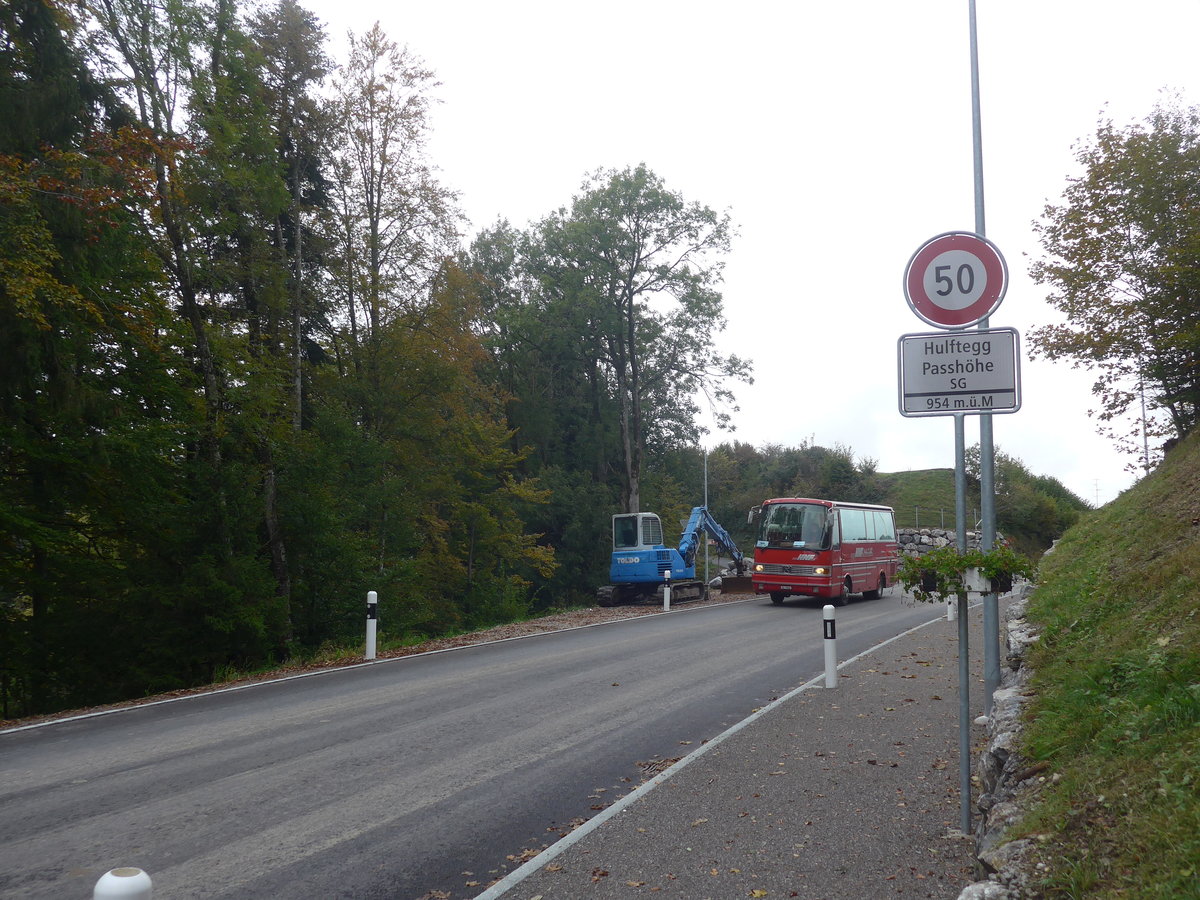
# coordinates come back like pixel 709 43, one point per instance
pixel 958 366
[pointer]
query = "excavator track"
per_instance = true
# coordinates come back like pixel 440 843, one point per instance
pixel 683 591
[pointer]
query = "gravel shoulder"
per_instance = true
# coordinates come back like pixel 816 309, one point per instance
pixel 845 793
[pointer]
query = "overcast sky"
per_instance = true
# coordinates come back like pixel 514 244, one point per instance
pixel 838 135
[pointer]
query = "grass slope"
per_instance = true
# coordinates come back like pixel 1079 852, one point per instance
pixel 1117 694
pixel 929 490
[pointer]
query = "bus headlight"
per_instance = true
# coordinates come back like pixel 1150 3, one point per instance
pixel 820 570
pixel 758 567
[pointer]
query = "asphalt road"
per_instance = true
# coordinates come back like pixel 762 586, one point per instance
pixel 405 777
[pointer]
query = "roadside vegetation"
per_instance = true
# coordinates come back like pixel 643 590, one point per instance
pixel 1031 510
pixel 1116 707
pixel 252 366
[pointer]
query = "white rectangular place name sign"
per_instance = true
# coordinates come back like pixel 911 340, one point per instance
pixel 951 372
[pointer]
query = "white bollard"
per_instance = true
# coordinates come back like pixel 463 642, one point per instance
pixel 831 673
pixel 667 592
pixel 372 621
pixel 126 883
pixel 951 609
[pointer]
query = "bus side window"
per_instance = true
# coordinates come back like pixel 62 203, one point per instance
pixel 891 525
pixel 854 525
pixel 885 529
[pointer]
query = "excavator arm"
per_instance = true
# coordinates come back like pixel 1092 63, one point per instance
pixel 700 523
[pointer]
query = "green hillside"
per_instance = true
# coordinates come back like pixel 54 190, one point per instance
pixel 1117 694
pixel 924 497
pixel 1031 511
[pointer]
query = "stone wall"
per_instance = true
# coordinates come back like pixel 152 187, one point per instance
pixel 919 541
pixel 1006 780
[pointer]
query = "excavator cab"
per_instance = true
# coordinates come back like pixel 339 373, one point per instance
pixel 637 531
pixel 639 556
pixel 640 560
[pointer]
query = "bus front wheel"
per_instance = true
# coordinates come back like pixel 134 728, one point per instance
pixel 844 597
pixel 777 596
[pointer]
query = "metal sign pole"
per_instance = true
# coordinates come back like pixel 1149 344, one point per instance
pixel 964 669
pixel 706 535
pixel 956 280
pixel 987 499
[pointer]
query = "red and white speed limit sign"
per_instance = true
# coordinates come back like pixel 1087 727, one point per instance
pixel 955 280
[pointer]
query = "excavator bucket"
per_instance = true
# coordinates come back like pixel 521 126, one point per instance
pixel 736 584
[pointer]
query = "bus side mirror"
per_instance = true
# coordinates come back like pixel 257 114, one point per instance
pixel 752 516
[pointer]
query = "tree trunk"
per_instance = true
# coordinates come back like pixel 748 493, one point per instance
pixel 633 437
pixel 278 550
pixel 297 296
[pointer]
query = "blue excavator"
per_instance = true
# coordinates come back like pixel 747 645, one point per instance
pixel 641 563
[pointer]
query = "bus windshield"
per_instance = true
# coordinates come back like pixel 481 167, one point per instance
pixel 795 525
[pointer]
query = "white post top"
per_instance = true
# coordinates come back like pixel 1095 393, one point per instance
pixel 125 883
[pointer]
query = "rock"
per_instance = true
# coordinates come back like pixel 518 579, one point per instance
pixel 918 541
pixel 1006 856
pixel 1000 818
pixel 1001 771
pixel 986 890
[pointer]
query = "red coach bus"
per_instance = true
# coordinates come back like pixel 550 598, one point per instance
pixel 823 548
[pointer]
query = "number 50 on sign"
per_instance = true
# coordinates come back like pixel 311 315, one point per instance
pixel 955 280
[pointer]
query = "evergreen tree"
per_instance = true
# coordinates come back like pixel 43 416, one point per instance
pixel 93 418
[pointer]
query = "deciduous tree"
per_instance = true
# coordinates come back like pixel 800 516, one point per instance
pixel 632 269
pixel 1122 260
pixel 394 223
